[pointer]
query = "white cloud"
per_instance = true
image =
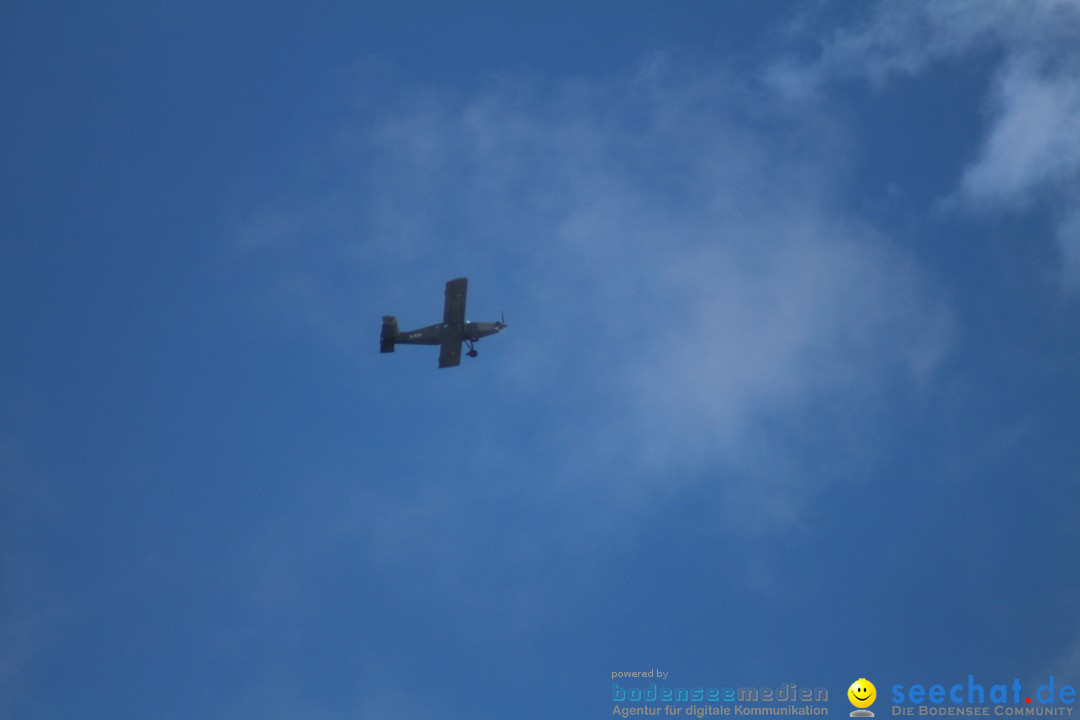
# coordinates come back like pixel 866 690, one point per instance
pixel 906 37
pixel 1031 147
pixel 681 274
pixel 1034 141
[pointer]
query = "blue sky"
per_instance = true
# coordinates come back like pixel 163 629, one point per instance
pixel 789 394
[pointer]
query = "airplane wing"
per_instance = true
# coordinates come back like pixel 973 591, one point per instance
pixel 454 307
pixel 450 352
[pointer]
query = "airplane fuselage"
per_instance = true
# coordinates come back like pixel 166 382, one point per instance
pixel 435 334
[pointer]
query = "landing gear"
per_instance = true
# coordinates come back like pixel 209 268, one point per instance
pixel 472 350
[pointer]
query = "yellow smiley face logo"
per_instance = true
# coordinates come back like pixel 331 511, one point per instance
pixel 862 693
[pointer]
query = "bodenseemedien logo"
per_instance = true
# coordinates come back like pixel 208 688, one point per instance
pixel 862 694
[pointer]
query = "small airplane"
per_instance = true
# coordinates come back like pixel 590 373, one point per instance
pixel 449 334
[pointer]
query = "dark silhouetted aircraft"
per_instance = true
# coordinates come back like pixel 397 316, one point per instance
pixel 448 335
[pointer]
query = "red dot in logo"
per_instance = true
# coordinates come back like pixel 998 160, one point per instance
pixel 1027 700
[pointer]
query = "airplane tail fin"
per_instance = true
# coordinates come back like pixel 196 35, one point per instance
pixel 389 334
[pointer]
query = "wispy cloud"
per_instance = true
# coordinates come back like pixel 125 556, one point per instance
pixel 1032 145
pixel 1030 151
pixel 678 266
